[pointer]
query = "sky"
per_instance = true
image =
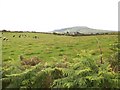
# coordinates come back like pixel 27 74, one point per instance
pixel 48 15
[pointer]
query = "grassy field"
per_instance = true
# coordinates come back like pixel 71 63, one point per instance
pixel 47 47
pixel 51 48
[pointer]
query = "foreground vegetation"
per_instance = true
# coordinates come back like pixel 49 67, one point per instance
pixel 34 60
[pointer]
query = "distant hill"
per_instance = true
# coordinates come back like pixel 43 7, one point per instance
pixel 81 29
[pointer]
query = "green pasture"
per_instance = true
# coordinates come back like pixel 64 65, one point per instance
pixel 49 47
pixel 65 61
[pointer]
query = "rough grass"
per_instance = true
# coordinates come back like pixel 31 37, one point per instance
pixel 39 62
pixel 48 46
pixel 52 48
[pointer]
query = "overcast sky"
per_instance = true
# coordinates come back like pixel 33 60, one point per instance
pixel 48 15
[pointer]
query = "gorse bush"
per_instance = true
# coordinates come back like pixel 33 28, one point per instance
pixel 85 71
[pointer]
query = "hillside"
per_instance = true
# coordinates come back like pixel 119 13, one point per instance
pixel 81 29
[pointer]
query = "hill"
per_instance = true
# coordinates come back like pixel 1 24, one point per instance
pixel 81 29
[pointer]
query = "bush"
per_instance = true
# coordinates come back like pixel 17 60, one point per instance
pixel 83 72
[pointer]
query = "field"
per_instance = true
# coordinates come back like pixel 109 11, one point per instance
pixel 57 55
